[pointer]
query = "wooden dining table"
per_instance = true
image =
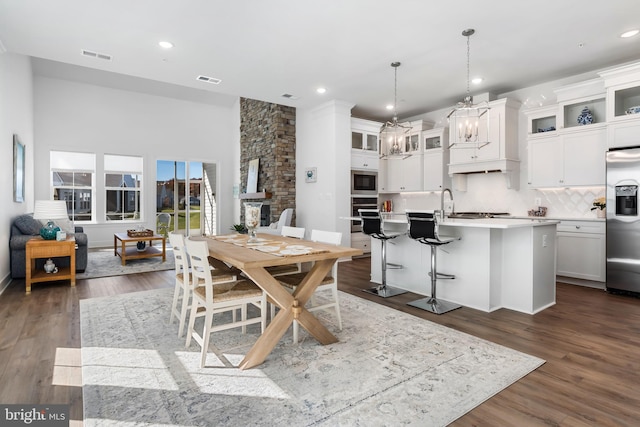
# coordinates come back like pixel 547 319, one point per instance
pixel 253 263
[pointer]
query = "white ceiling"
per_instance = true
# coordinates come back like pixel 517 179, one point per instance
pixel 262 49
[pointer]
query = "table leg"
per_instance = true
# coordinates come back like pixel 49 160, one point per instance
pixel 292 307
pixel 123 253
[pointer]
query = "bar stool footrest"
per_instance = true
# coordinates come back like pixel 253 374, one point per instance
pixel 385 291
pixel 434 305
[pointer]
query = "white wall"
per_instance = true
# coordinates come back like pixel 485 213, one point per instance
pixel 323 141
pixel 16 117
pixel 72 116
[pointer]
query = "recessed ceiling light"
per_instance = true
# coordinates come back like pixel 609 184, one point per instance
pixel 321 90
pixel 477 80
pixel 630 33
pixel 389 107
pixel 165 45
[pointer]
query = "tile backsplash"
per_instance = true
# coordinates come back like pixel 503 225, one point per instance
pixel 488 193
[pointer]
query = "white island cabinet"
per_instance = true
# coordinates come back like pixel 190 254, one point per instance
pixel 498 263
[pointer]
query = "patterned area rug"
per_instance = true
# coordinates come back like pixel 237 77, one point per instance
pixel 388 368
pixel 103 263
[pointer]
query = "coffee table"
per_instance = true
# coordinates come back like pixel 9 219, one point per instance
pixel 130 252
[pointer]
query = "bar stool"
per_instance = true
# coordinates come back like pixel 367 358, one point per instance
pixel 373 225
pixel 423 227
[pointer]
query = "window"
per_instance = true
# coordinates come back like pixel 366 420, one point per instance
pixel 72 180
pixel 123 187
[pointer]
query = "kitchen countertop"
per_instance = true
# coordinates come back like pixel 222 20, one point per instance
pixel 496 222
pixel 557 218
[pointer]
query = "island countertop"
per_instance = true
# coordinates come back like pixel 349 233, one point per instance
pixel 495 222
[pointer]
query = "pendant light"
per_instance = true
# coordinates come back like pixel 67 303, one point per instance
pixel 393 134
pixel 467 120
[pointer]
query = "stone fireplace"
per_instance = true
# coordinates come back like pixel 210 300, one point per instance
pixel 268 133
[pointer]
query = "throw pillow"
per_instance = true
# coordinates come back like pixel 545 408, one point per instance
pixel 27 225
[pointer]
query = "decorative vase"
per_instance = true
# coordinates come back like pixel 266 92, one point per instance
pixel 49 266
pixel 585 117
pixel 601 213
pixel 252 212
pixel 141 245
pixel 49 231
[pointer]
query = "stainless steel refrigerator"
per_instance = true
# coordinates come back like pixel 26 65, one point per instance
pixel 623 223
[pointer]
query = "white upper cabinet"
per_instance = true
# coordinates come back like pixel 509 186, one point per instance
pixel 364 144
pixel 623 105
pixel 567 142
pixel 570 159
pixel 436 159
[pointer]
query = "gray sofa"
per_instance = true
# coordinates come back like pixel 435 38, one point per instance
pixel 23 228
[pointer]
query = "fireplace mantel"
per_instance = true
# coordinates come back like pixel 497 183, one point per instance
pixel 261 195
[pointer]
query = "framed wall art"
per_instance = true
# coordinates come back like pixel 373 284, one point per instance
pixel 310 175
pixel 18 170
pixel 252 176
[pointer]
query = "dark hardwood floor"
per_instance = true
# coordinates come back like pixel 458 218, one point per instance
pixel 589 339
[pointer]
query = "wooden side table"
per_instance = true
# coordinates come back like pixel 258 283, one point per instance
pixel 40 248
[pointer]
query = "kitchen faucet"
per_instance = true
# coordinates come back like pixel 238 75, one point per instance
pixel 442 201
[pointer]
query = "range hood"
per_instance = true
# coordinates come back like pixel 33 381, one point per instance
pixel 509 168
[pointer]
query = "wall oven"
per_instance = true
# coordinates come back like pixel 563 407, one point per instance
pixel 364 183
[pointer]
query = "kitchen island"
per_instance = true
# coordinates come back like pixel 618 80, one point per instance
pixel 498 263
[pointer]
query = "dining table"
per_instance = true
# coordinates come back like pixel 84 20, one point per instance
pixel 254 258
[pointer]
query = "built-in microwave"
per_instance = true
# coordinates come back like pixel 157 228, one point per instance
pixel 363 182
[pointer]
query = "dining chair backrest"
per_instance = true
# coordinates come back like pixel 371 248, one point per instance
pixel 331 237
pixel 371 221
pixel 297 232
pixel 198 255
pixel 177 242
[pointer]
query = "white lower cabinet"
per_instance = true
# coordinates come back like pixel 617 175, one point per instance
pixel 581 249
pixel 361 241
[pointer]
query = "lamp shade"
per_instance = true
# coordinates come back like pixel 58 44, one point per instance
pixel 50 209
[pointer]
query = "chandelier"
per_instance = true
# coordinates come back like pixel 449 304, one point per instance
pixel 392 133
pixel 469 122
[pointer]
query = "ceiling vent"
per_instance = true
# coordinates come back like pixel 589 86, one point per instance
pixel 211 80
pixel 97 55
pixel 289 96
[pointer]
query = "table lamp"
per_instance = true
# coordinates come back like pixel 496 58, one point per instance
pixel 49 210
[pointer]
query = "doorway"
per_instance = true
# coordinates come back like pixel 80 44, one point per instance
pixel 186 190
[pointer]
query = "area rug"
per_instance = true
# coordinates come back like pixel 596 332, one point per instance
pixel 103 263
pixel 388 368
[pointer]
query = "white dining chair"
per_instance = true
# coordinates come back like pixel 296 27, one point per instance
pixel 330 282
pixel 209 299
pixel 181 293
pixel 183 285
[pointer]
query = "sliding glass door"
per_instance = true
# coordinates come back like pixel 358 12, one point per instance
pixel 186 190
